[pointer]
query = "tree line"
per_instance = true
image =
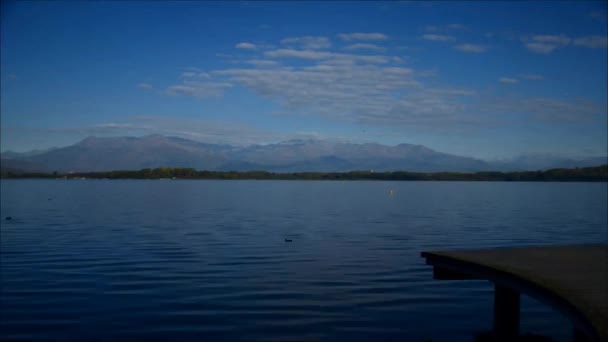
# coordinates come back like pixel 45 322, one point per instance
pixel 586 174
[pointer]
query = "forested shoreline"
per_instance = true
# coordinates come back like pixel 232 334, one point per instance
pixel 586 174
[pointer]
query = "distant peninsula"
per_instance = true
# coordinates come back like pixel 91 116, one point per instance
pixel 586 174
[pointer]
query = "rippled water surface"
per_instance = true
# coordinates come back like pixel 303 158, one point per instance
pixel 208 260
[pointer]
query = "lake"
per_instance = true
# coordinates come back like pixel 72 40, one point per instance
pixel 208 260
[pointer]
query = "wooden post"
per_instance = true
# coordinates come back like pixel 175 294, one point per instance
pixel 506 314
pixel 579 336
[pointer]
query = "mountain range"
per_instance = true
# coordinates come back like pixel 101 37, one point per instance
pixel 134 153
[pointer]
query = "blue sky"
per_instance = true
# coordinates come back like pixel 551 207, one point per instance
pixel 484 79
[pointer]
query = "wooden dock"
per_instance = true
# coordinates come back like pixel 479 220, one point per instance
pixel 571 279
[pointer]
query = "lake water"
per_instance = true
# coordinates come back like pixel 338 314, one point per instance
pixel 207 260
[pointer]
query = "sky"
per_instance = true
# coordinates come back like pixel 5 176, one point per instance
pixel 491 80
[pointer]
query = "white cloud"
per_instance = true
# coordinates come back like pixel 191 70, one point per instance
pixel 308 42
pixel 362 36
pixel 508 80
pixel 552 39
pixel 145 86
pixel 198 89
pixel 321 55
pixel 191 68
pixel 594 42
pixel 363 46
pixel 453 92
pixel 546 44
pixel 541 47
pixel 261 63
pixel 117 126
pixel 188 74
pixel 547 109
pixel 352 87
pixel 342 90
pixel 203 130
pixel 471 48
pixel 443 28
pixel 248 46
pixel 291 53
pixel 437 37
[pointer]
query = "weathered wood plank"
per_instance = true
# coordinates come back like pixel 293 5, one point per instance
pixel 572 279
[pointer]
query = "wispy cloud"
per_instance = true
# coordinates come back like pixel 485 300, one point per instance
pixel 471 48
pixel 594 42
pixel 362 36
pixel 356 93
pixel 351 87
pixel 437 37
pixel 248 46
pixel 547 109
pixel 508 80
pixel 363 46
pixel 321 55
pixel 546 44
pixel 541 47
pixel 560 40
pixel 199 89
pixel 359 87
pixel 144 86
pixel 444 28
pixel 308 42
pixel 303 54
pixel 261 63
pixel 292 53
pixel 456 92
pixel 203 130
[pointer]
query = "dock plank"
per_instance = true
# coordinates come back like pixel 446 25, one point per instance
pixel 573 279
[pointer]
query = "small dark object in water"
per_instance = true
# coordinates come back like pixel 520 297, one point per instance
pixel 8 218
pixel 288 240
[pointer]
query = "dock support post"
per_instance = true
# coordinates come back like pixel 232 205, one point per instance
pixel 506 314
pixel 579 336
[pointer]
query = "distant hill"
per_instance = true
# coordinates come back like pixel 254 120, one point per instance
pixel 547 161
pixel 102 154
pixel 134 153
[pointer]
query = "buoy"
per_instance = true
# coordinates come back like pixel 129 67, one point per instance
pixel 288 240
pixel 391 192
